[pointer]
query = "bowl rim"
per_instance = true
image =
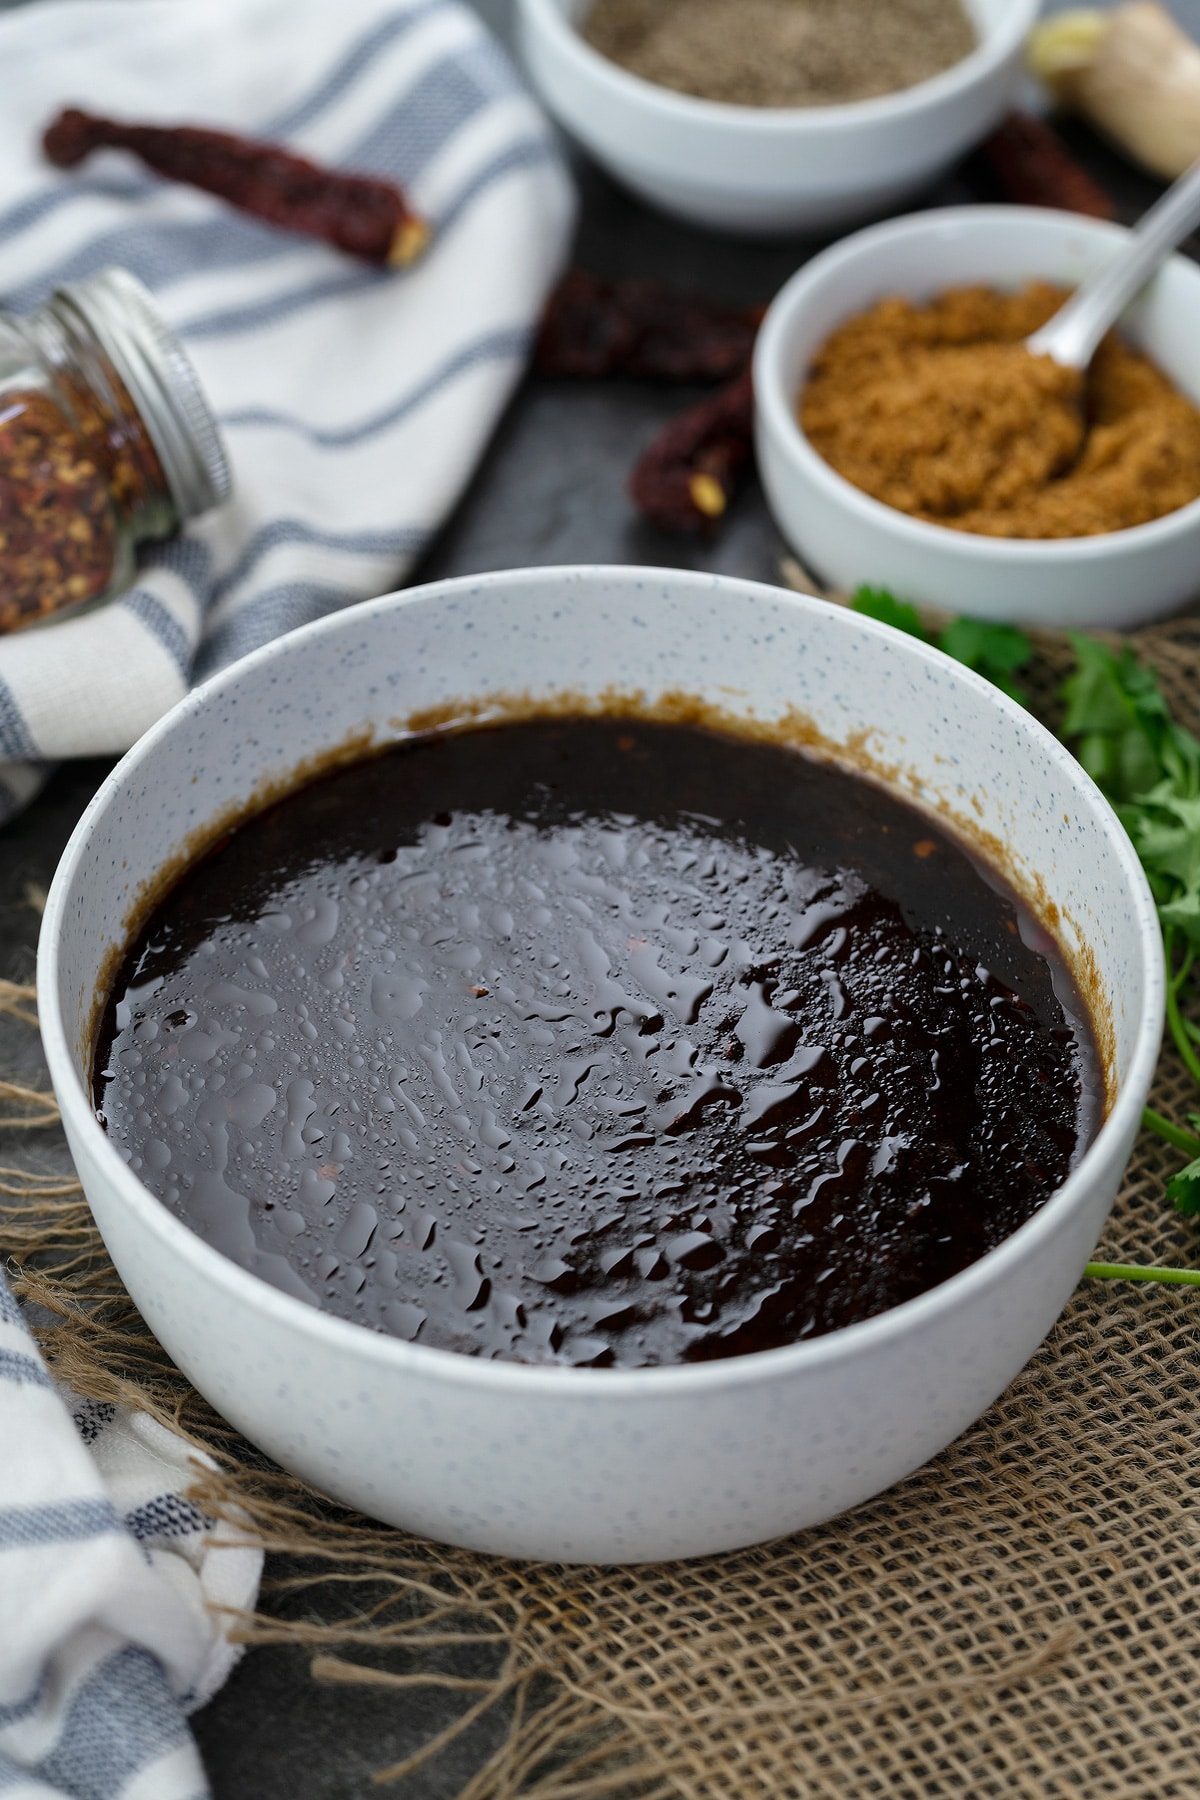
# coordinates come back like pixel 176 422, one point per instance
pixel 992 50
pixel 775 408
pixel 425 1362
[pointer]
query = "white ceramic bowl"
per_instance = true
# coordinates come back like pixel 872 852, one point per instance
pixel 751 169
pixel 1115 580
pixel 596 1464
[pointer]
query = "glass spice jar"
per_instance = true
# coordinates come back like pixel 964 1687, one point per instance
pixel 106 442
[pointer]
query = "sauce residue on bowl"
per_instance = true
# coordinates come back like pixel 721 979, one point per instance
pixel 596 1041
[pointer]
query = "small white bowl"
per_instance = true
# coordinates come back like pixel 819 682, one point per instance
pixel 762 170
pixel 1112 581
pixel 598 1464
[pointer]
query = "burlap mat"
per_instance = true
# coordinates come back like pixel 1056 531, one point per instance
pixel 1022 1617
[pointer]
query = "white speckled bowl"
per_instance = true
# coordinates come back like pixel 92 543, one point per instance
pixel 755 169
pixel 1114 581
pixel 594 1464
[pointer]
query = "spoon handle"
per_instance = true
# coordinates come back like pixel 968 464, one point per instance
pixel 1072 335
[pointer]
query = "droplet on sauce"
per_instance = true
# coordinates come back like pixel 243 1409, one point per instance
pixel 543 1112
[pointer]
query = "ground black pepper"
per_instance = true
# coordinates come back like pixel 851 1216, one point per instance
pixel 782 52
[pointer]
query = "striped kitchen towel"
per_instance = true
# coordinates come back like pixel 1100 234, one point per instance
pixel 354 401
pixel 115 1593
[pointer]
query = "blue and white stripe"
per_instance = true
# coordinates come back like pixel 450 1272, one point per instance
pixel 109 1580
pixel 354 402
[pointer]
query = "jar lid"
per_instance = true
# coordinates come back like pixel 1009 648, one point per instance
pixel 162 384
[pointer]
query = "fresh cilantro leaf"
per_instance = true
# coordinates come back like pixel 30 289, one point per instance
pixel 1118 716
pixel 1149 767
pixel 1166 834
pixel 1183 915
pixel 1184 1189
pixel 1121 729
pixel 1188 1141
pixel 878 603
pixel 995 651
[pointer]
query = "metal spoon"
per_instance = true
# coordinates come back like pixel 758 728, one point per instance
pixel 1071 337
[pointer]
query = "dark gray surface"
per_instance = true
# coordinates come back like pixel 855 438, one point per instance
pixel 551 489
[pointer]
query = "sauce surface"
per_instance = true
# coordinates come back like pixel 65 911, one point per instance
pixel 596 1041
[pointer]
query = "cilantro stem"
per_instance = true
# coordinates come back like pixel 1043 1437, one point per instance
pixel 1177 975
pixel 1187 1141
pixel 1180 1036
pixel 1174 1017
pixel 1138 1272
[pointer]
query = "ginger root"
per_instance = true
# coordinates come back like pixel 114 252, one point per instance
pixel 1133 72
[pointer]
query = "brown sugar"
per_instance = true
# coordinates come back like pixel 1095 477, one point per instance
pixel 939 411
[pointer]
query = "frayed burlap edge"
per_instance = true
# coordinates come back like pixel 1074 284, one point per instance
pixel 1016 1618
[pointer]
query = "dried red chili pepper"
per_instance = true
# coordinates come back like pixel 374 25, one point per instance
pixel 1035 168
pixel 368 217
pixel 687 476
pixel 641 328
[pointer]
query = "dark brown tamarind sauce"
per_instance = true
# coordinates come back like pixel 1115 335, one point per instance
pixel 596 1041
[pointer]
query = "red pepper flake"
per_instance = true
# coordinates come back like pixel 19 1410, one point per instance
pixel 686 478
pixel 1035 168
pixel 361 214
pixel 641 328
pixel 68 487
pixel 57 532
